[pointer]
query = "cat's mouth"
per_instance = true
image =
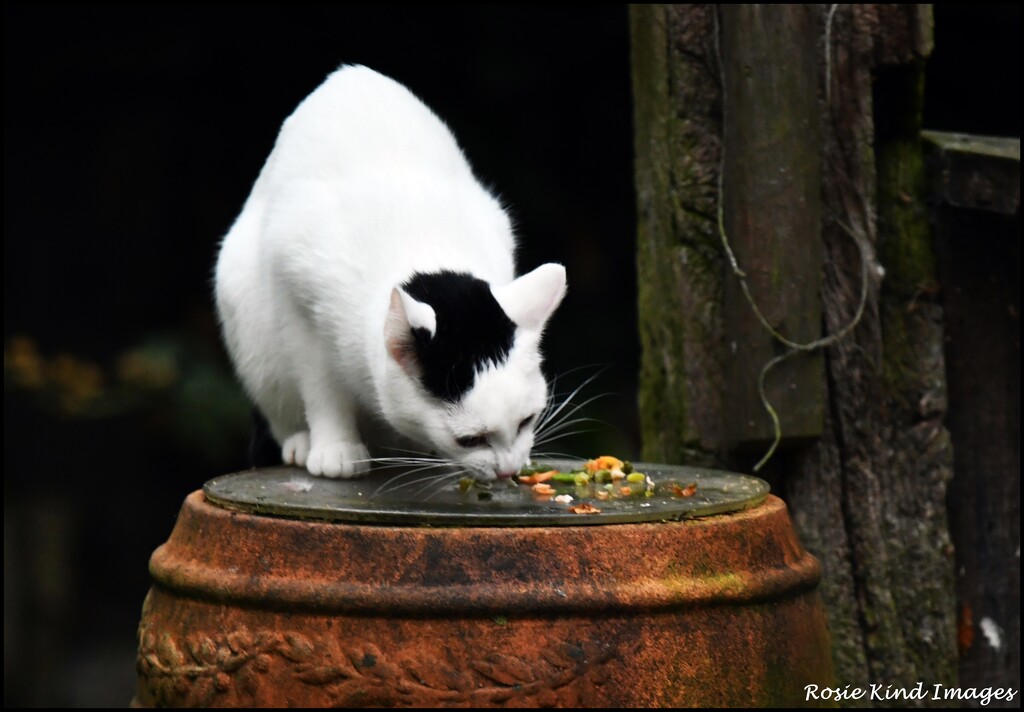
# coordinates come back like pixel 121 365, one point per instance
pixel 488 476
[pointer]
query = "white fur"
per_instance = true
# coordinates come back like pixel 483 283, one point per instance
pixel 364 187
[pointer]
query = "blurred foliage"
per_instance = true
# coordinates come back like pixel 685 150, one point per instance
pixel 170 381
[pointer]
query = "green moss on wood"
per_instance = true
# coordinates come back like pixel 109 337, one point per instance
pixel 658 330
pixel 910 631
pixel 677 260
pixel 905 245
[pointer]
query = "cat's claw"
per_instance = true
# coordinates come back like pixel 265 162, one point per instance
pixel 338 459
pixel 295 450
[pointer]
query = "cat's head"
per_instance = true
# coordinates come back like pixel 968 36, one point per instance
pixel 464 365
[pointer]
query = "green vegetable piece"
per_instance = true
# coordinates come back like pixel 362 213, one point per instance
pixel 564 477
pixel 465 483
pixel 484 495
pixel 582 479
pixel 627 467
pixel 636 477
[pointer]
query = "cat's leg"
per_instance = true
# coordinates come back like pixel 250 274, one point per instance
pixel 335 450
pixel 249 326
pixel 320 431
pixel 334 446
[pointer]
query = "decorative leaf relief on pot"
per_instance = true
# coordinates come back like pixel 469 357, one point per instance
pixel 202 669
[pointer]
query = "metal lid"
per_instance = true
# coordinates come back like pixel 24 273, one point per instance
pixel 405 497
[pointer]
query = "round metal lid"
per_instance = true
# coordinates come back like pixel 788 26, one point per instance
pixel 405 497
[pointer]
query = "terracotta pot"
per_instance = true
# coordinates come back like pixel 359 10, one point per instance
pixel 254 610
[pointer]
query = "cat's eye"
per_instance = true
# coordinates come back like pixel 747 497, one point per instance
pixel 472 441
pixel 526 423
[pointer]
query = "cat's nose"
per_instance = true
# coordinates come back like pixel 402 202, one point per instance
pixel 505 475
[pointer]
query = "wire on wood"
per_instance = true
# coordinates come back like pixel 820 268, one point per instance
pixel 865 259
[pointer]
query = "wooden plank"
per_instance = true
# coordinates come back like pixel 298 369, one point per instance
pixel 980 172
pixel 772 206
pixel 978 256
pixel 677 104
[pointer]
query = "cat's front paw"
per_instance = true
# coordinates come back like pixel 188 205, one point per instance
pixel 295 450
pixel 338 459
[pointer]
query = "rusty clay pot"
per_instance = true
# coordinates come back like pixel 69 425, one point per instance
pixel 253 610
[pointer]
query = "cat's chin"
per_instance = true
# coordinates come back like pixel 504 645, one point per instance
pixel 485 477
pixel 492 477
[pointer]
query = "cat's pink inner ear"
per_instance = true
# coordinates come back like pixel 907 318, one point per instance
pixel 397 334
pixel 530 300
pixel 404 315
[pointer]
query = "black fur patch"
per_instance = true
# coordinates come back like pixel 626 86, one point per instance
pixel 472 329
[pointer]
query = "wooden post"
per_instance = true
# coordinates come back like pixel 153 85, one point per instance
pixel 679 257
pixel 869 494
pixel 772 209
pixel 975 184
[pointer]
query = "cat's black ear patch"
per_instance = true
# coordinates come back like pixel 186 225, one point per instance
pixel 472 329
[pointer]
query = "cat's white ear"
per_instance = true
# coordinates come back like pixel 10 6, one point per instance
pixel 531 299
pixel 404 315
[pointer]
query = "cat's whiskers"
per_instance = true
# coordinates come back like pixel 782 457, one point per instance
pixel 552 423
pixel 552 395
pixel 423 476
pixel 561 428
pixel 559 417
pixel 549 415
pixel 420 453
pixel 378 464
pixel 424 481
pixel 441 482
pixel 396 482
pixel 551 439
pixel 547 454
pixel 384 463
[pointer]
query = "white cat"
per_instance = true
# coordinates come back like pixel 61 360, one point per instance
pixel 367 293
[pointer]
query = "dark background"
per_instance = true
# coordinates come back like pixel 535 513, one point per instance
pixel 131 138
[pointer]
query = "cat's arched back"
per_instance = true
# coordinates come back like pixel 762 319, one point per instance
pixel 367 293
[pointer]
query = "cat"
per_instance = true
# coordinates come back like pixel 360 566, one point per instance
pixel 367 292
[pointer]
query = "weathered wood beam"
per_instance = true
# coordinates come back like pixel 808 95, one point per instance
pixel 772 206
pixel 976 198
pixel 978 172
